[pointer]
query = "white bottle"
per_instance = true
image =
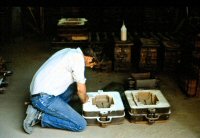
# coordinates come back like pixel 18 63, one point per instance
pixel 123 33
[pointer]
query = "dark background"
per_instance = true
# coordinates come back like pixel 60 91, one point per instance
pixel 20 21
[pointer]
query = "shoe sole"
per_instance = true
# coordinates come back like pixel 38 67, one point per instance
pixel 26 124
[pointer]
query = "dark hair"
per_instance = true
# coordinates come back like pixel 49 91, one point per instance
pixel 88 52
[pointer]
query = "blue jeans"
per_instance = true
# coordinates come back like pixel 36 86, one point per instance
pixel 57 113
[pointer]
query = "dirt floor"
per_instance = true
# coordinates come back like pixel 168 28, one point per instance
pixel 26 56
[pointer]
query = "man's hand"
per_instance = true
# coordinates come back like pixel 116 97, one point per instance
pixel 81 92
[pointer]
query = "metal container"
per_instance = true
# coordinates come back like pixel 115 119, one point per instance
pixel 143 81
pixel 147 105
pixel 104 108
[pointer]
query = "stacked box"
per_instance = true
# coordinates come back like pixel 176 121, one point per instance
pixel 188 83
pixel 171 55
pixel 123 53
pixel 197 42
pixel 196 68
pixel 149 54
pixel 191 87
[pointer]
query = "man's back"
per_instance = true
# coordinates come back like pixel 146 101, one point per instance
pixel 58 72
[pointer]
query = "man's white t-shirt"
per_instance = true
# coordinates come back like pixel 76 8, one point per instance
pixel 59 71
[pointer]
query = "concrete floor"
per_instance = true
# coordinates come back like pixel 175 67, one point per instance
pixel 27 56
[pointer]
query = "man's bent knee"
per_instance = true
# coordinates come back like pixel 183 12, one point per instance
pixel 82 126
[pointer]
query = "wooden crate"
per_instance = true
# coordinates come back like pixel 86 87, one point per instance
pixel 191 87
pixel 122 53
pixel 197 42
pixel 188 84
pixel 172 56
pixel 149 54
pixel 196 68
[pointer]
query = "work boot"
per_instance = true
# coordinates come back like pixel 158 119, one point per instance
pixel 32 118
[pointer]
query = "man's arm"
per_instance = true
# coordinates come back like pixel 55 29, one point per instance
pixel 81 92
